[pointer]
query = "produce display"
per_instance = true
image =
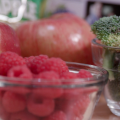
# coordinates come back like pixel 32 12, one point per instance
pixel 62 35
pixel 107 29
pixel 36 80
pixel 41 103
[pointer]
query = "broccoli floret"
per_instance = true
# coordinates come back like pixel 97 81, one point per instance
pixel 107 29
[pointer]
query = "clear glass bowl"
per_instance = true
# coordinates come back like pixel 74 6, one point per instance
pixel 39 99
pixel 112 88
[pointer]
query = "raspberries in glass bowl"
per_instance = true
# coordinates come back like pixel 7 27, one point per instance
pixel 42 88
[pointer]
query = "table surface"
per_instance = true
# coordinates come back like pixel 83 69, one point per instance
pixel 102 112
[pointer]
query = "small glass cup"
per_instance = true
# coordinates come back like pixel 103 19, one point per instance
pixel 109 58
pixel 39 99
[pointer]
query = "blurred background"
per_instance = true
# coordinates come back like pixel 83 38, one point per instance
pixel 90 10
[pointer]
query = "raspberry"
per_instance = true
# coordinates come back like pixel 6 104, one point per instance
pixel 40 107
pixel 69 75
pixel 84 74
pixel 8 60
pixel 37 62
pixel 48 78
pixel 75 92
pixel 24 115
pixel 73 107
pixel 49 75
pixel 29 61
pixel 54 64
pixel 3 114
pixel 18 90
pixel 57 115
pixel 13 102
pixel 1 95
pixel 72 93
pixel 69 78
pixel 20 72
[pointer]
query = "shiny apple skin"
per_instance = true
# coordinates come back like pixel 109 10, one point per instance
pixel 63 35
pixel 8 39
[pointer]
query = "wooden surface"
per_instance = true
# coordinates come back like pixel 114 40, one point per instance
pixel 102 112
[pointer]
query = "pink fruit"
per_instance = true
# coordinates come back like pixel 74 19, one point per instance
pixel 19 72
pixel 37 63
pixel 8 39
pixel 24 115
pixel 72 93
pixel 57 115
pixel 34 63
pixel 29 61
pixel 69 75
pixel 63 35
pixel 69 78
pixel 39 106
pixel 76 79
pixel 8 60
pixel 48 78
pixel 4 115
pixel 1 95
pixel 26 79
pixel 84 74
pixel 13 102
pixel 54 64
pixel 18 90
pixel 73 107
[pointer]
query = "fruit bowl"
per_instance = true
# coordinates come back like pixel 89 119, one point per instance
pixel 33 99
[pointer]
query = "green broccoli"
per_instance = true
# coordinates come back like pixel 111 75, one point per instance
pixel 107 29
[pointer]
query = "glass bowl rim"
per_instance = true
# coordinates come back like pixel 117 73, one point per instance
pixel 5 81
pixel 96 39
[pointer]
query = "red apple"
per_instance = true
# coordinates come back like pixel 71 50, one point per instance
pixel 63 35
pixel 8 39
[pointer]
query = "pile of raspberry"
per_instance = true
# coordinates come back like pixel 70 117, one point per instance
pixel 36 92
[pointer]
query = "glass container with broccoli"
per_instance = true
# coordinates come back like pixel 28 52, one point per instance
pixel 106 53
